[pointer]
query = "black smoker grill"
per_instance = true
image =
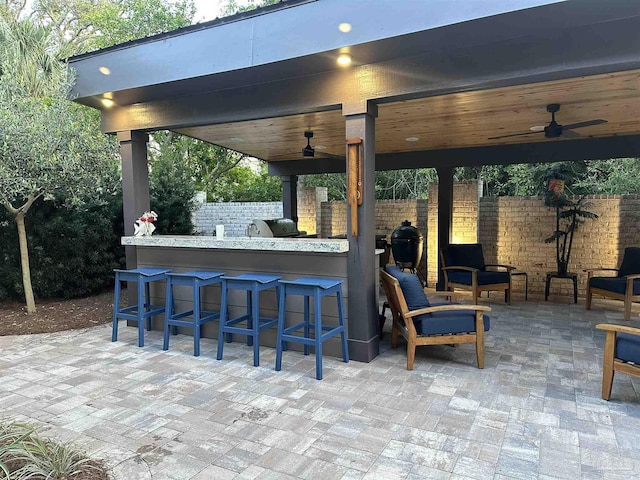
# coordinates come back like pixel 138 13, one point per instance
pixel 406 245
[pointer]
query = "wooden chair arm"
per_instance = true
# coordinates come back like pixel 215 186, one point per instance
pixel 448 308
pixel 450 296
pixel 508 267
pixel 632 277
pixel 600 269
pixel 460 267
pixel 610 327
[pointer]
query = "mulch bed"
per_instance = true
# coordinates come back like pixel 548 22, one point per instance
pixel 56 315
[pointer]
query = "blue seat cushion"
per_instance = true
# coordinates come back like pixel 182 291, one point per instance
pixel 614 284
pixel 630 262
pixel 628 347
pixel 465 255
pixel 484 277
pixel 443 323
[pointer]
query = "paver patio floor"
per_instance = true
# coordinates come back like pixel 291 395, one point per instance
pixel 534 412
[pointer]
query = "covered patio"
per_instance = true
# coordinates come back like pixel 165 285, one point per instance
pixel 429 84
pixel 534 412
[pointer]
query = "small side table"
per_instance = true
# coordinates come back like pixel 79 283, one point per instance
pixel 526 282
pixel 571 275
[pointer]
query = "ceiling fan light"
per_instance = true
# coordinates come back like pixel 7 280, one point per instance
pixel 308 151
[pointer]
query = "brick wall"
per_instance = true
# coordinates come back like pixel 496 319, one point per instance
pixel 465 222
pixel 235 216
pixel 513 230
pixel 309 204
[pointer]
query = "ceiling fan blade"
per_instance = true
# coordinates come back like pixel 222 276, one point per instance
pixel 512 135
pixel 570 133
pixel 588 123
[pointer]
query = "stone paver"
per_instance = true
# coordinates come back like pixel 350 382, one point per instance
pixel 534 412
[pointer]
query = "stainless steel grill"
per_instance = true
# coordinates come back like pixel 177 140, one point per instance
pixel 277 227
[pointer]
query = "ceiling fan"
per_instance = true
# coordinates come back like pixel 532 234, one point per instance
pixel 554 129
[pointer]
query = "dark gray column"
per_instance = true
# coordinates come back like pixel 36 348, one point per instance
pixel 445 214
pixel 364 341
pixel 135 183
pixel 290 197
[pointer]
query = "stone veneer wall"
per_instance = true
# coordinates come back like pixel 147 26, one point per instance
pixel 465 222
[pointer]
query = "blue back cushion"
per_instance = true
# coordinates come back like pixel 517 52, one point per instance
pixel 630 262
pixel 412 290
pixel 465 255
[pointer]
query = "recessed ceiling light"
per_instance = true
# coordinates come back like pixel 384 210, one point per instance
pixel 344 60
pixel 320 147
pixel 236 139
pixel 107 102
pixel 412 139
pixel 104 71
pixel 344 27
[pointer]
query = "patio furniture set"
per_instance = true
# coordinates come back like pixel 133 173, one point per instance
pixel 415 318
pixel 423 323
pixel 250 324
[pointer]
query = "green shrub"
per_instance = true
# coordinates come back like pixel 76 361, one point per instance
pixel 72 251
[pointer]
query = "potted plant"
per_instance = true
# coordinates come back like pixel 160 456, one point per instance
pixel 569 216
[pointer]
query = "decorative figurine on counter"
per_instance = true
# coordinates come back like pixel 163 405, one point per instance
pixel 144 227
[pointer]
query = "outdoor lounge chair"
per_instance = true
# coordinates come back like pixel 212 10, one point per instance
pixel 421 323
pixel 463 267
pixel 621 354
pixel 624 286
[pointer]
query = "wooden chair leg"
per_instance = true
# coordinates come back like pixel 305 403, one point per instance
pixel 607 367
pixel 587 305
pixel 394 333
pixel 411 354
pixel 476 294
pixel 627 306
pixel 480 339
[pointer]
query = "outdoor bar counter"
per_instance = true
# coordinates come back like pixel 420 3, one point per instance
pixel 290 257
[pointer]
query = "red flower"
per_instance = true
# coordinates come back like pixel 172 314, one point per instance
pixel 143 219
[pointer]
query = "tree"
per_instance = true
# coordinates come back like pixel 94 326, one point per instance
pixel 231 7
pixel 171 186
pixel 47 149
pixel 86 25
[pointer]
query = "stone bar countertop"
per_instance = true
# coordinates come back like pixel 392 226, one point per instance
pixel 290 244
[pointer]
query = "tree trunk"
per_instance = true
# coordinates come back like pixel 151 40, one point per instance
pixel 24 261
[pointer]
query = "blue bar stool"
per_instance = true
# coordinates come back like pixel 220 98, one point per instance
pixel 142 310
pixel 253 284
pixel 316 288
pixel 195 280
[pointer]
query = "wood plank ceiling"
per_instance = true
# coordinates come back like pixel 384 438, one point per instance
pixel 455 120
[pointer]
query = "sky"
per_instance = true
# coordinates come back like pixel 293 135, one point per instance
pixel 208 9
